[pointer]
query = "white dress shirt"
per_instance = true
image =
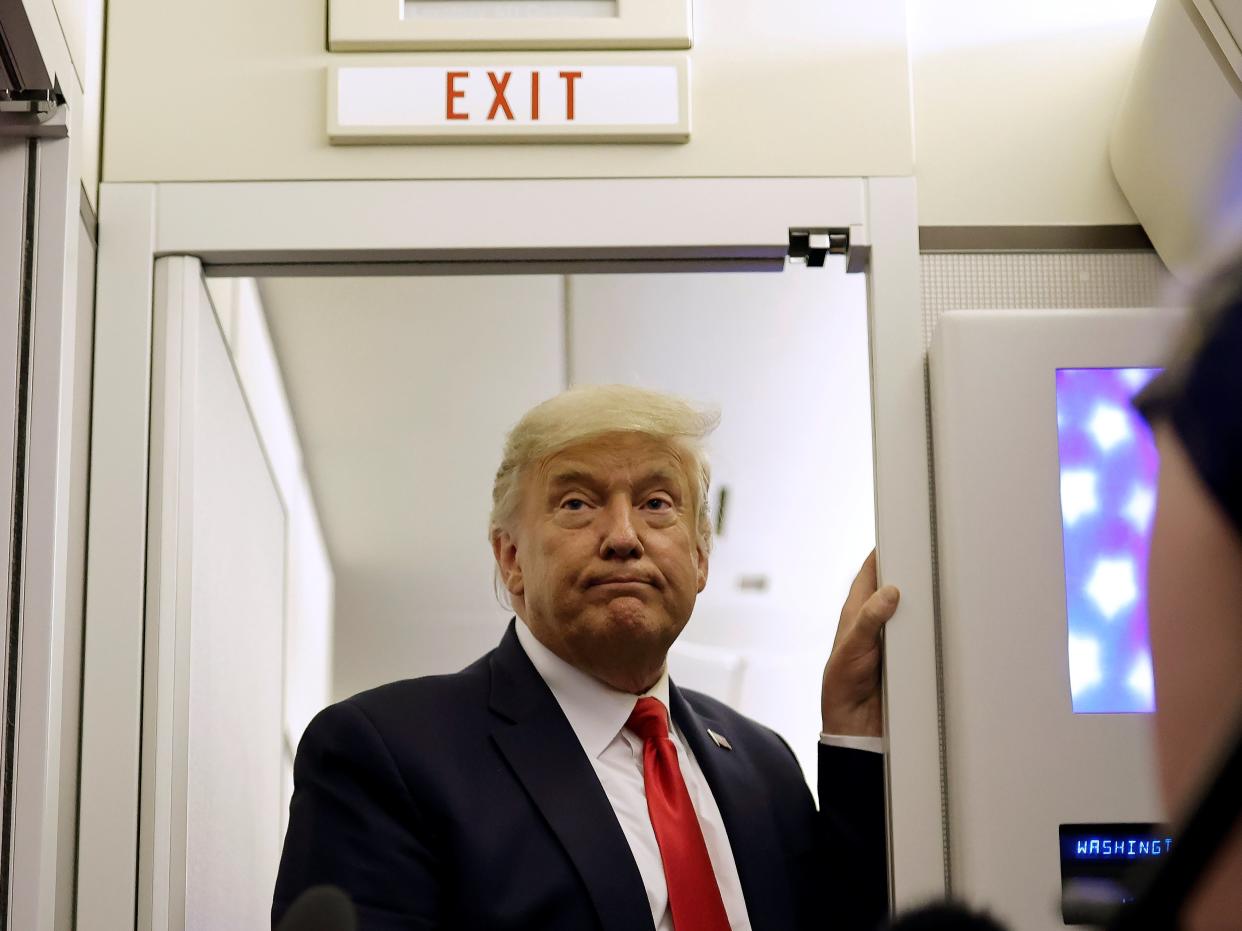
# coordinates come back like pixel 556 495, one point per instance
pixel 597 713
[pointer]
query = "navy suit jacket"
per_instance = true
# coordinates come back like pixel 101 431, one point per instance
pixel 466 801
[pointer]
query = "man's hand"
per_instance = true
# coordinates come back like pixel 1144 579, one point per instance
pixel 850 700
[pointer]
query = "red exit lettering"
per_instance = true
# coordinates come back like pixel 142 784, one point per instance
pixel 498 95
pixel 453 93
pixel 500 91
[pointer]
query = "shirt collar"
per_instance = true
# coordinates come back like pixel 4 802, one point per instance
pixel 596 712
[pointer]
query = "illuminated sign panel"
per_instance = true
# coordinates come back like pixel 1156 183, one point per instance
pixel 1103 865
pixel 456 25
pixel 463 103
pixel 1108 496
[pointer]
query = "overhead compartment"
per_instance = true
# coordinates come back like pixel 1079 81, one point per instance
pixel 1176 146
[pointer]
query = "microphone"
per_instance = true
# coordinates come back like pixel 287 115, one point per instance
pixel 944 916
pixel 320 908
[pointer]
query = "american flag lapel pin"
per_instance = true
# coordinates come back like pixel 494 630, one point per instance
pixel 719 740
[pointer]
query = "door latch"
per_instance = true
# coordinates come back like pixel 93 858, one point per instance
pixel 812 245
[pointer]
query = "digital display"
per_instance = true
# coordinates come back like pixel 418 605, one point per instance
pixel 1087 843
pixel 1108 469
pixel 1103 866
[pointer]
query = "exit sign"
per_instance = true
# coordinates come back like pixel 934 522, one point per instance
pixel 646 101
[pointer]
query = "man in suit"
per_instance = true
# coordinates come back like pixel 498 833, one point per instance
pixel 562 781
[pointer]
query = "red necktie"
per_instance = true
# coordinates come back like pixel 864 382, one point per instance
pixel 693 895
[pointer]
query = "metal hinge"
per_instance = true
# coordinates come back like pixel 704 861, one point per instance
pixel 33 112
pixel 30 95
pixel 813 245
pixel 38 103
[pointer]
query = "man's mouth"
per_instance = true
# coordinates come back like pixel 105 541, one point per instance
pixel 619 580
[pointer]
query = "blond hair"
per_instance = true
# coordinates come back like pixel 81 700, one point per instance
pixel 589 412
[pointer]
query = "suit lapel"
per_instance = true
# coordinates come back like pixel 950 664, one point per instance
pixel 548 760
pixel 737 788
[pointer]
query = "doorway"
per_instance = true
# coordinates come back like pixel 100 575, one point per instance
pixel 562 237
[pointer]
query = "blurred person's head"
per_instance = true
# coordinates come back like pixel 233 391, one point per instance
pixel 600 527
pixel 1195 575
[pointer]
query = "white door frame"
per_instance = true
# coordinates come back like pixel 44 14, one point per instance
pixel 43 488
pixel 343 227
pixel 42 484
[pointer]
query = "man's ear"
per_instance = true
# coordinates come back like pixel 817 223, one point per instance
pixel 702 568
pixel 504 548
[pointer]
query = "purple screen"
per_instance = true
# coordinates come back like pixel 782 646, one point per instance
pixel 1108 497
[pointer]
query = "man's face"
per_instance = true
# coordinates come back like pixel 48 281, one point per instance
pixel 604 562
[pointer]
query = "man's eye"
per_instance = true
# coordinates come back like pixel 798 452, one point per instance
pixel 658 504
pixel 573 504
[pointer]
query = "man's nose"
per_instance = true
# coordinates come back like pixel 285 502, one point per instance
pixel 620 539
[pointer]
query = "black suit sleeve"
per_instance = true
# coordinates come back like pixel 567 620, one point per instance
pixel 853 835
pixel 353 824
